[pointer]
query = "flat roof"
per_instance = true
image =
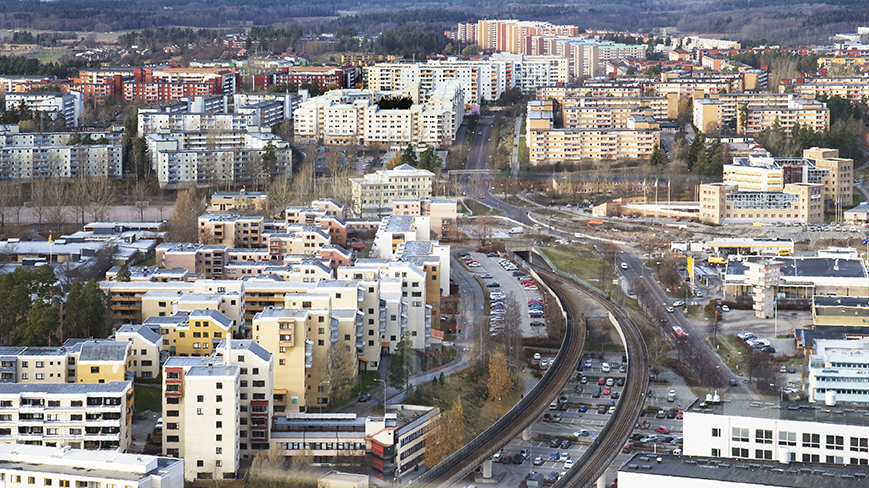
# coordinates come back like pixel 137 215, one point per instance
pixel 64 388
pixel 840 414
pixel 837 301
pixel 749 472
pixel 808 267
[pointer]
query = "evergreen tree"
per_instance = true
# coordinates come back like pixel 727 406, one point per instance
pixel 698 146
pixel 86 309
pixel 409 156
pixel 40 327
pixel 429 160
pixel 657 158
pixel 400 367
pixel 123 274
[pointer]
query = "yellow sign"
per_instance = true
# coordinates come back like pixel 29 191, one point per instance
pixel 691 267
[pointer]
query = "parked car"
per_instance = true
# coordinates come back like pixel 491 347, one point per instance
pixel 627 449
pixel 518 459
pixel 725 308
pixel 555 442
pixel 583 408
pixel 553 456
pixel 620 382
pixel 365 397
pixel 601 409
pixel 768 349
pixel 671 414
pixel 662 430
pixel 538 461
pixel 505 459
pixel 583 380
pixel 564 456
pixel 581 433
pixel 568 464
pixel 614 395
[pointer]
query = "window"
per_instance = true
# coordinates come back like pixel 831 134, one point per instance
pixel 172 438
pixel 218 411
pixel 218 450
pixel 716 432
pixel 200 463
pixel 198 411
pixel 859 444
pixel 836 442
pixel 40 376
pixel 812 440
pixel 739 452
pixel 40 364
pixel 218 437
pixel 218 398
pixel 95 369
pixel 218 425
pixel 172 413
pixel 787 438
pixel 255 371
pixel 23 376
pixel 716 452
pixel 218 386
pixel 172 426
pixel 762 454
pixel 259 384
pixel 739 435
pixel 200 398
pixel 763 436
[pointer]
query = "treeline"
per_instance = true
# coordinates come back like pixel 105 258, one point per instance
pixel 377 22
pixel 413 40
pixel 44 39
pixel 33 303
pixel 805 64
pixel 174 35
pixel 18 65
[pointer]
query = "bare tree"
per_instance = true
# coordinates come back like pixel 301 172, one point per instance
pixel 140 196
pixel 39 199
pixel 183 223
pixel 9 203
pixel 339 369
pixel 280 192
pixel 56 194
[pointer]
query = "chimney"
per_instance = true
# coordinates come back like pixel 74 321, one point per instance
pixel 227 352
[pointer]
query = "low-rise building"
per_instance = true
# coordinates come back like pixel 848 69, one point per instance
pixel 48 466
pixel 239 201
pixel 837 371
pixel 727 203
pixel 399 447
pixel 803 277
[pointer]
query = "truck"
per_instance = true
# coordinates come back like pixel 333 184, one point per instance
pixel 517 230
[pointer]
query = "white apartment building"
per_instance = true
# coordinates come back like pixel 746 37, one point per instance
pixel 201 416
pixel 769 431
pixel 353 116
pixel 67 106
pixel 837 370
pixel 23 465
pixel 146 347
pixel 395 230
pixel 80 415
pixel 374 192
pixel 44 162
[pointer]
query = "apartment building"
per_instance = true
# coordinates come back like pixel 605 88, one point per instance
pixel 373 193
pixel 66 106
pixel 601 117
pixel 283 332
pixel 299 239
pixel 819 166
pixel 354 117
pixel 80 415
pixel 433 258
pixel 309 269
pixel 513 35
pixel 145 347
pixel 102 361
pixel 256 376
pixel 239 201
pixel 22 465
pixel 125 298
pixel 195 333
pixel 229 301
pixel 46 162
pixel 396 229
pixel 661 107
pixel 201 416
pixel 853 89
pixel 205 260
pixel 442 213
pixel 727 203
pixel 806 113
pixel 749 430
pixel 231 230
pixel 635 142
pixel 708 114
pixel 187 167
pixel 263 114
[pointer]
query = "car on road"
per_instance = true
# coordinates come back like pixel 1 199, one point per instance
pixel 733 382
pixel 662 430
pixel 679 303
pixel 538 461
pixel 537 324
pixel 365 397
pixel 486 276
pixel 481 196
pixel 624 265
pixel 493 284
pixel 671 309
pixel 492 254
pixel 725 308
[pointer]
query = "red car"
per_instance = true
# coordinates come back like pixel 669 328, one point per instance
pixel 662 430
pixel 679 415
pixel 601 381
pixel 627 449
pixel 607 390
pixel 482 197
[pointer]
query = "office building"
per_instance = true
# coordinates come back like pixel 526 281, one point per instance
pixel 837 371
pixel 804 277
pixel 726 203
pixel 400 446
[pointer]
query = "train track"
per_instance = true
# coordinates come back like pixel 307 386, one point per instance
pixel 609 442
pixel 607 445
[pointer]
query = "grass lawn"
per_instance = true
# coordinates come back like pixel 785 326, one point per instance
pixel 516 202
pixel 479 209
pixel 148 397
pixel 731 350
pixel 579 260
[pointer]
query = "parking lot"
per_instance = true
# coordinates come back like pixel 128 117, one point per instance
pixel 493 274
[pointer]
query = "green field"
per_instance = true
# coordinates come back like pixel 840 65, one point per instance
pixel 148 397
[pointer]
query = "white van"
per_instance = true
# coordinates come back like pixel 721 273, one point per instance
pixel 605 368
pixel 517 230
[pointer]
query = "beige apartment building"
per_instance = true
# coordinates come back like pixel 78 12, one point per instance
pixel 662 107
pixel 239 201
pixel 442 213
pixel 231 230
pixel 145 349
pixel 725 203
pixel 201 416
pixel 373 194
pixel 601 117
pixel 809 113
pixel 595 144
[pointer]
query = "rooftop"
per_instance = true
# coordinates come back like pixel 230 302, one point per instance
pixel 247 345
pixel 746 472
pixel 64 388
pixel 808 267
pixel 841 414
pixel 100 351
pixel 82 462
pixel 145 332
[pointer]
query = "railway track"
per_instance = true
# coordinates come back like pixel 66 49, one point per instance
pixel 607 445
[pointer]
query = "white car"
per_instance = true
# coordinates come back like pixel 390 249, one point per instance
pixel 725 308
pixel 537 355
pixel 670 309
pixel 568 464
pixel 624 265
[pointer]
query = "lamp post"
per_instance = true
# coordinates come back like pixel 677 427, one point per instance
pixel 384 393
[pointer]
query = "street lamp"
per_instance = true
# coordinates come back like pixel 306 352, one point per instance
pixel 384 393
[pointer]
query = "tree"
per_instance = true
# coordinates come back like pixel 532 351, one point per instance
pixel 39 198
pixel 429 160
pixel 340 370
pixel 698 145
pixel 401 365
pixel 123 273
pixel 86 309
pixel 500 384
pixel 657 158
pixel 409 156
pixel 183 223
pixel 743 118
pixel 754 362
pixel 40 327
pixel 447 435
pixel 270 159
pixel 472 50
